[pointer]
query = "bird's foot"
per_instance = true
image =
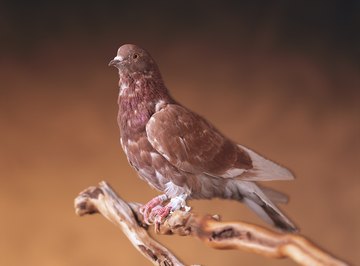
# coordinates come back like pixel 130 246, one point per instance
pixel 154 204
pixel 158 214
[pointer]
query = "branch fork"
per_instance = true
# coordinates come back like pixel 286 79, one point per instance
pixel 209 229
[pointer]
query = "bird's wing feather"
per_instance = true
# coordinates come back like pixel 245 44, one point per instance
pixel 264 169
pixel 193 145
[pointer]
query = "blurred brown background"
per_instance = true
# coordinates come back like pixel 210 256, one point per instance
pixel 282 78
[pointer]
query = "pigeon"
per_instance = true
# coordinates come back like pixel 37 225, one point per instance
pixel 181 154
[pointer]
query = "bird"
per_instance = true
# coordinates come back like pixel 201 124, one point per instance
pixel 181 154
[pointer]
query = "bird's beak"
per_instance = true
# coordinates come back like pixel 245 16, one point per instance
pixel 115 61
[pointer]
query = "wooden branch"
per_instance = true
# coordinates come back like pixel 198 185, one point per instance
pixel 216 234
pixel 104 200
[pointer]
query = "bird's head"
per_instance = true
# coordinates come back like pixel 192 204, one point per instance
pixel 131 59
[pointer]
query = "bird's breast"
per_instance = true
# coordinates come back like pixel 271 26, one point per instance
pixel 136 106
pixel 149 164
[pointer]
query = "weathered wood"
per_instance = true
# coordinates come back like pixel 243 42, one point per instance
pixel 209 229
pixel 104 200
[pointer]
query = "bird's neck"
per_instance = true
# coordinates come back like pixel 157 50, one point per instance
pixel 138 100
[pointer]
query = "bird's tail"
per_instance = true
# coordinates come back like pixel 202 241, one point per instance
pixel 260 200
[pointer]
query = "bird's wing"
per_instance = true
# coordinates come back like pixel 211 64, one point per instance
pixel 193 145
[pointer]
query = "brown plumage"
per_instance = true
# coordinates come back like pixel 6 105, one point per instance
pixel 181 154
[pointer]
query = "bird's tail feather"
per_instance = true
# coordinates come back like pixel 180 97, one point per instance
pixel 258 201
pixel 274 195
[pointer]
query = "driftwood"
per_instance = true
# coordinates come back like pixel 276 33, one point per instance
pixel 217 234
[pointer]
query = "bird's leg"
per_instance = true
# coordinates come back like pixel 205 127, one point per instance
pixel 155 203
pixel 160 213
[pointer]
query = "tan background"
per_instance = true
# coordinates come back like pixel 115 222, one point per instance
pixel 282 79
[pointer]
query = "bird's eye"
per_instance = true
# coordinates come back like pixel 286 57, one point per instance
pixel 135 56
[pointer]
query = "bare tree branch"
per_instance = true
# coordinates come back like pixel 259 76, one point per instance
pixel 216 234
pixel 104 200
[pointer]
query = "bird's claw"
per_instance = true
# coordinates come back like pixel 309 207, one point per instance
pixel 147 209
pixel 159 215
pixel 155 213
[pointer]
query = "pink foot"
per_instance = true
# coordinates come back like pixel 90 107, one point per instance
pixel 158 215
pixel 153 204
